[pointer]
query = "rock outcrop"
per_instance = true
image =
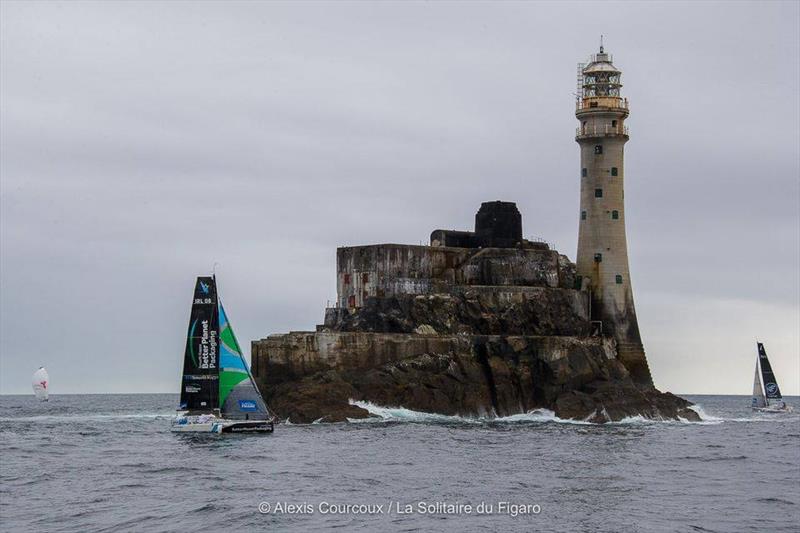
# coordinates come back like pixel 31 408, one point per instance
pixel 314 376
pixel 480 323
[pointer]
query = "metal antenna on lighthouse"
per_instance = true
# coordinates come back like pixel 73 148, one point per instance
pixel 601 43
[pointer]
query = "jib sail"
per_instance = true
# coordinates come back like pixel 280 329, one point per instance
pixel 239 398
pixel 758 392
pixel 771 389
pixel 200 383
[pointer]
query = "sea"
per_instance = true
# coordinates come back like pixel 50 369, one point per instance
pixel 109 463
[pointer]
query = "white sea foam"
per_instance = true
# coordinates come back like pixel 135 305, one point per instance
pixel 71 419
pixel 705 417
pixel 381 413
pixel 401 414
pixel 537 415
pixel 756 417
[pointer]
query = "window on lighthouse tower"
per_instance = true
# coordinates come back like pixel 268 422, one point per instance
pixel 598 148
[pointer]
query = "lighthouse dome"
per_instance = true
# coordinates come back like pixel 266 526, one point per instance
pixel 600 66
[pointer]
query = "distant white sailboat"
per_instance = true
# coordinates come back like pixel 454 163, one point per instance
pixel 41 384
pixel 766 393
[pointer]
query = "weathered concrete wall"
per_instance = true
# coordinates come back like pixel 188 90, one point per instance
pixel 386 270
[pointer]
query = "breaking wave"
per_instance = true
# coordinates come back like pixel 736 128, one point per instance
pixel 381 413
pixel 401 414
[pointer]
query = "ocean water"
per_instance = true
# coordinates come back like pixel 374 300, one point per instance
pixel 110 463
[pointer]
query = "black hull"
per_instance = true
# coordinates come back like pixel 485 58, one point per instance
pixel 249 427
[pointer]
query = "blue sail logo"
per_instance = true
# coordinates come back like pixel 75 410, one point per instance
pixel 772 388
pixel 204 287
pixel 247 405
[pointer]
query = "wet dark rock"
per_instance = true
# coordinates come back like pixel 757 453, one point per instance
pixel 489 376
pixel 532 311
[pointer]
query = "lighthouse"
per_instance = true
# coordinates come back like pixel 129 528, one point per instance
pixel 602 245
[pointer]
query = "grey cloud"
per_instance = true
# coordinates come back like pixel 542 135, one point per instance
pixel 142 142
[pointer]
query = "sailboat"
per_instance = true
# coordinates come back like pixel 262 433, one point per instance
pixel 218 392
pixel 766 393
pixel 40 382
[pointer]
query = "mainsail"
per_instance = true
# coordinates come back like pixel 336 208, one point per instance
pixel 200 384
pixel 40 382
pixel 771 389
pixel 216 378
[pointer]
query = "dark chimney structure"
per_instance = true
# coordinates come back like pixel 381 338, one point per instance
pixel 497 225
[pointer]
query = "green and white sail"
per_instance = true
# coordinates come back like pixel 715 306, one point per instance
pixel 239 398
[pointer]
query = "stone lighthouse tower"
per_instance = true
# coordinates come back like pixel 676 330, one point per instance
pixel 602 245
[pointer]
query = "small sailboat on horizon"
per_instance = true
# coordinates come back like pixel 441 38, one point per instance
pixel 40 383
pixel 766 393
pixel 218 392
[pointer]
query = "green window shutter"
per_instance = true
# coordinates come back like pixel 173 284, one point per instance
pixel 614 171
pixel 615 214
pixel 583 215
pixel 598 193
pixel 583 173
pixel 619 279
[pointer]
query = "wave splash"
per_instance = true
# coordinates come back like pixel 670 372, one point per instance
pixel 401 414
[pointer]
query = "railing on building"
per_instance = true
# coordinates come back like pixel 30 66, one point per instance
pixel 594 131
pixel 594 58
pixel 596 102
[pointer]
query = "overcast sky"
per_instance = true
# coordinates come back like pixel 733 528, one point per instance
pixel 144 142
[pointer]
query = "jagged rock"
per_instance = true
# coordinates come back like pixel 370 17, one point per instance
pixel 491 375
pixel 504 311
pixel 321 397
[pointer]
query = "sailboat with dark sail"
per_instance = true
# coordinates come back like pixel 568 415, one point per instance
pixel 218 392
pixel 766 393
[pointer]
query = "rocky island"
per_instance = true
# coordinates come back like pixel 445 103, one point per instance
pixel 482 323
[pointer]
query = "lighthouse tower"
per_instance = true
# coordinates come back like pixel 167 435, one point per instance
pixel 602 245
